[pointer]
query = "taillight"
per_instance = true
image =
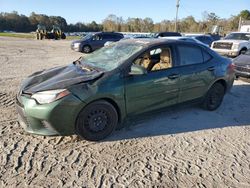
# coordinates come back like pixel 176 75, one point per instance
pixel 231 67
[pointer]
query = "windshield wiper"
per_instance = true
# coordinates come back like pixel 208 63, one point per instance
pixel 78 61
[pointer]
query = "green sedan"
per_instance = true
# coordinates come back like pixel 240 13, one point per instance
pixel 92 96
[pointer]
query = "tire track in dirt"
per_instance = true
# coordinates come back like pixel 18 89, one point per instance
pixel 6 100
pixel 4 59
pixel 30 162
pixel 19 162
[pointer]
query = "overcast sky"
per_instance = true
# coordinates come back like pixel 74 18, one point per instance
pixel 158 10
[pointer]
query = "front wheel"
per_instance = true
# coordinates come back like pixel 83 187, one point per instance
pixel 86 49
pixel 243 51
pixel 214 97
pixel 96 121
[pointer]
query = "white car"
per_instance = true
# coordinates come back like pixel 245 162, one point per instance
pixel 232 45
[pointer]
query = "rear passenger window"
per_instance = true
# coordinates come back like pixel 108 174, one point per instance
pixel 107 36
pixel 118 37
pixel 190 55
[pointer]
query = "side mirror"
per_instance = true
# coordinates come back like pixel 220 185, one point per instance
pixel 137 70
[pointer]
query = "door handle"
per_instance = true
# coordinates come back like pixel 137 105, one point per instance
pixel 211 68
pixel 173 76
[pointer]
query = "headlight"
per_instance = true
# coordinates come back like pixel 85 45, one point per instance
pixel 235 46
pixel 76 45
pixel 45 97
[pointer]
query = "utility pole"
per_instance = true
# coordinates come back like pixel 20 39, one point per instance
pixel 240 23
pixel 176 17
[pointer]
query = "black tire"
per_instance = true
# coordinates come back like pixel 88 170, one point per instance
pixel 86 49
pixel 63 36
pixel 96 121
pixel 243 51
pixel 214 97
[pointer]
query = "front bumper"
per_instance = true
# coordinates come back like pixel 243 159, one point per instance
pixel 56 118
pixel 76 48
pixel 242 74
pixel 225 52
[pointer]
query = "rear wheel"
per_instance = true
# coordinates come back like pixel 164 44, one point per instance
pixel 63 36
pixel 96 121
pixel 86 49
pixel 214 97
pixel 243 51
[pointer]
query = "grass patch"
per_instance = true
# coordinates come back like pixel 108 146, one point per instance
pixel 73 37
pixel 19 35
pixel 32 36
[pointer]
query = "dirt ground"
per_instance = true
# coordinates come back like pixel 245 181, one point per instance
pixel 183 146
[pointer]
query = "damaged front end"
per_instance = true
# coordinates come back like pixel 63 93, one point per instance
pixel 44 103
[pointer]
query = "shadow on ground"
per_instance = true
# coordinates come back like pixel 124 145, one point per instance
pixel 234 111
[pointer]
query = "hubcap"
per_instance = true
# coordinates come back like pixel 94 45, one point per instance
pixel 97 120
pixel 86 49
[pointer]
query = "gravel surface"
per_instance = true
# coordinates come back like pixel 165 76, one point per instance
pixel 183 146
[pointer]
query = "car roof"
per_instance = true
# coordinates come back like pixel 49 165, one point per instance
pixel 198 35
pixel 168 32
pixel 241 32
pixel 115 33
pixel 176 37
pixel 111 33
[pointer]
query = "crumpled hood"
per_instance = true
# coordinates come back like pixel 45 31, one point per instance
pixel 242 60
pixel 57 78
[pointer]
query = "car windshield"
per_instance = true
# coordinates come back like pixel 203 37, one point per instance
pixel 111 56
pixel 87 36
pixel 238 36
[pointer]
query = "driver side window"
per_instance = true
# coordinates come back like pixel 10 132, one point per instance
pixel 155 59
pixel 97 37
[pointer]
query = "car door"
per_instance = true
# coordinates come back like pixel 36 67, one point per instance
pixel 196 69
pixel 97 41
pixel 110 37
pixel 106 37
pixel 153 90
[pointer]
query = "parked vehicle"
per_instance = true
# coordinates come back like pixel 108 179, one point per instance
pixel 93 96
pixel 129 37
pixel 242 65
pixel 232 45
pixel 167 34
pixel 205 39
pixel 188 39
pixel 94 41
pixel 56 33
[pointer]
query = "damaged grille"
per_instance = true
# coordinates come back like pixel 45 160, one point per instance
pixel 21 115
pixel 20 110
pixel 223 45
pixel 242 69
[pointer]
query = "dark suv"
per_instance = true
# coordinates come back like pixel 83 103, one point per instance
pixel 167 34
pixel 94 41
pixel 205 39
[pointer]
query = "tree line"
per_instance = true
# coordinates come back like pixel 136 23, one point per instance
pixel 21 23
